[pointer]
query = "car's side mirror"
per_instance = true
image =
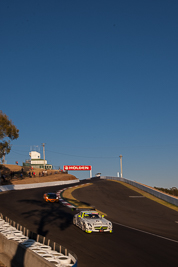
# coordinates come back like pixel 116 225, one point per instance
pixel 102 216
pixel 79 216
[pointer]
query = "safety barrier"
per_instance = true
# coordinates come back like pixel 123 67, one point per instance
pixel 35 185
pixel 21 247
pixel 165 197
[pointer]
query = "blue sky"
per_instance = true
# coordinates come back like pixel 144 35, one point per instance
pixel 93 80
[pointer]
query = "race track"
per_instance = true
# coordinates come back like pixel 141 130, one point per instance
pixel 124 207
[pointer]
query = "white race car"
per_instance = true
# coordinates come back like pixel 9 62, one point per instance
pixel 91 221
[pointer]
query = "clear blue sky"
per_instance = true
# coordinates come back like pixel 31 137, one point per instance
pixel 93 80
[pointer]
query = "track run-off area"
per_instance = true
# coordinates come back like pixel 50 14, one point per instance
pixel 145 233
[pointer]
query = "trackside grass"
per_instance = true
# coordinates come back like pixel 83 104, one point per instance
pixel 147 195
pixel 67 195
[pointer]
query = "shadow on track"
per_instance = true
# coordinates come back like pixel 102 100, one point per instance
pixel 47 214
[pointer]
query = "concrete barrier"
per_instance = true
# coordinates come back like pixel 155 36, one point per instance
pixel 36 185
pixel 152 191
pixel 17 251
pixel 13 254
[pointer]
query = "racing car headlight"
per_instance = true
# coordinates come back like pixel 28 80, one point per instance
pixel 56 197
pixel 47 197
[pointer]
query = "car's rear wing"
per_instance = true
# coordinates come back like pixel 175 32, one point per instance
pixel 84 209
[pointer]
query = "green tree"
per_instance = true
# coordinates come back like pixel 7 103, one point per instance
pixel 8 132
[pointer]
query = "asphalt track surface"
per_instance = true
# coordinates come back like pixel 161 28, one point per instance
pixel 126 208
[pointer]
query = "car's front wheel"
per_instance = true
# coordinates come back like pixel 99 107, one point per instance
pixel 83 227
pixel 74 221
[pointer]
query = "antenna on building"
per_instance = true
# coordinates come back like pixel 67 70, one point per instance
pixel 35 148
pixel 43 145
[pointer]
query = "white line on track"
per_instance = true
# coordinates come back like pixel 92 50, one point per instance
pixel 159 236
pixel 137 196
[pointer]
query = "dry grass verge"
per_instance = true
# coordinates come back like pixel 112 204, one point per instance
pixel 145 194
pixel 50 176
pixel 67 195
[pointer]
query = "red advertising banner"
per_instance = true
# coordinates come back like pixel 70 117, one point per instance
pixel 76 168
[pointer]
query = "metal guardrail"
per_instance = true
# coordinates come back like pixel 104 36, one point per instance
pixel 165 197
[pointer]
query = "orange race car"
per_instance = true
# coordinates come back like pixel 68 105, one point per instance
pixel 50 197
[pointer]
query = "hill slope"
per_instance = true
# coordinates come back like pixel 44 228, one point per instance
pixel 12 174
